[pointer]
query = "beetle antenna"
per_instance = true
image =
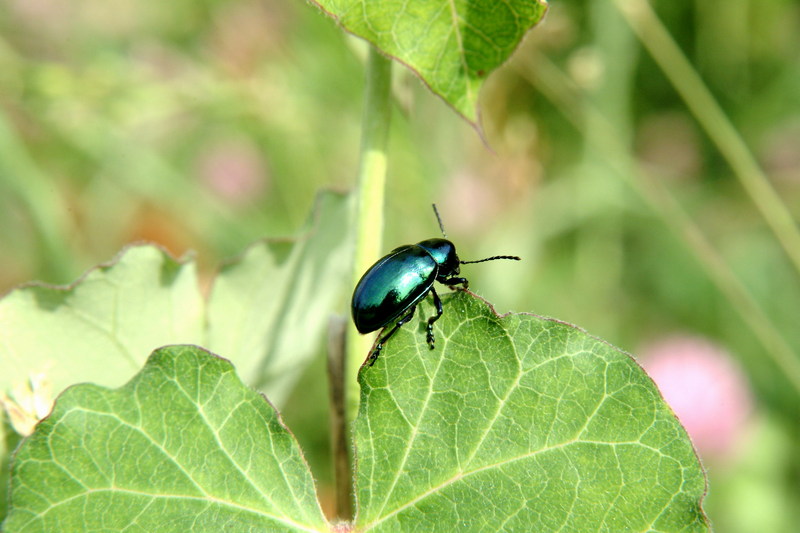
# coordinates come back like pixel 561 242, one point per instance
pixel 512 257
pixel 441 226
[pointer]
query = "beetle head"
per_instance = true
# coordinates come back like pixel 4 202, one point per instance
pixel 444 253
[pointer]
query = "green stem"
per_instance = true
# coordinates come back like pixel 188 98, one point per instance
pixel 340 436
pixel 369 201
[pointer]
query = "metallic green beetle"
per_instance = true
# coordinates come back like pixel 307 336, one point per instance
pixel 393 286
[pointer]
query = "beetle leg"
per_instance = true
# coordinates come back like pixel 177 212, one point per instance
pixel 450 282
pixel 378 347
pixel 438 303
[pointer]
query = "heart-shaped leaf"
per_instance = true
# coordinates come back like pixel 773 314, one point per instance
pixel 452 45
pixel 518 423
pixel 184 446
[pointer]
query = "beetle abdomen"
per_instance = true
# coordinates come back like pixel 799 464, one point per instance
pixel 391 286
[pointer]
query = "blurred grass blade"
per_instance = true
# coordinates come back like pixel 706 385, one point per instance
pixel 698 98
pixel 518 423
pixel 556 86
pixel 23 183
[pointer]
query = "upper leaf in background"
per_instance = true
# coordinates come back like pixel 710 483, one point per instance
pixel 184 446
pixel 269 308
pixel 518 423
pixel 452 45
pixel 100 329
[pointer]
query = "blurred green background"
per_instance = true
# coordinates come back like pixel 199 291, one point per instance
pixel 206 124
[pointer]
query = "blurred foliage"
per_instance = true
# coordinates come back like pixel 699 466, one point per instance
pixel 206 125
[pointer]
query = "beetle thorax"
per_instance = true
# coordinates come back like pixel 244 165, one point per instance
pixel 444 253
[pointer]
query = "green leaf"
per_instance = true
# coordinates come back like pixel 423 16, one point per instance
pixel 101 328
pixel 451 44
pixel 184 446
pixel 269 309
pixel 8 441
pixel 518 423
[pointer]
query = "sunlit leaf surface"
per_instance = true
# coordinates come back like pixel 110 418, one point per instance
pixel 518 424
pixel 184 446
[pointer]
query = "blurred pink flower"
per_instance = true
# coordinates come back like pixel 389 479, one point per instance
pixel 233 170
pixel 705 388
